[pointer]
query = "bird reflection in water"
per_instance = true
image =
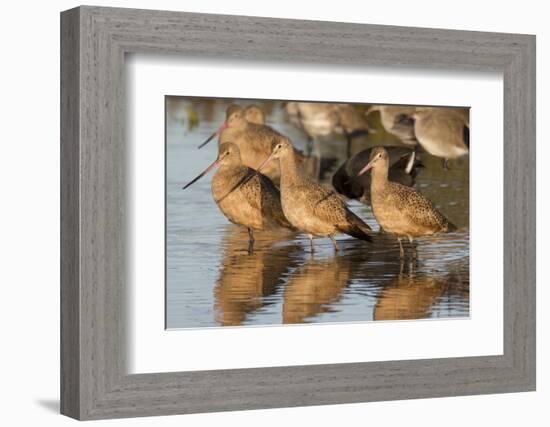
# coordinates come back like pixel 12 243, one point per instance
pixel 318 284
pixel 400 291
pixel 246 280
pixel 411 295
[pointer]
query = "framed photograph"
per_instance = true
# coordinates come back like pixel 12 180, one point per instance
pixel 261 213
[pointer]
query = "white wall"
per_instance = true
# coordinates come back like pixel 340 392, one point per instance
pixel 29 182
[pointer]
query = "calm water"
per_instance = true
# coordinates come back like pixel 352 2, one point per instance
pixel 213 281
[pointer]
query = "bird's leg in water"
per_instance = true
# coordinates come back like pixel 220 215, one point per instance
pixel 401 251
pixel 446 164
pixel 309 145
pixel 336 248
pixel 250 241
pixel 401 266
pixel 311 242
pixel 412 268
pixel 413 247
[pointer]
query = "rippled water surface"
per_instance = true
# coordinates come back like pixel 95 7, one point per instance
pixel 212 280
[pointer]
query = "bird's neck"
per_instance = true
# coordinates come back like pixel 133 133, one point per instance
pixel 240 124
pixel 289 166
pixel 227 179
pixel 231 168
pixel 379 177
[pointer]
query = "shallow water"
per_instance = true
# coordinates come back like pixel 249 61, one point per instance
pixel 213 281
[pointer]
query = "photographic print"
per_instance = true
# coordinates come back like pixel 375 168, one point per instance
pixel 293 212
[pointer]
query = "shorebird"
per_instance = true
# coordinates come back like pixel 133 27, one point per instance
pixel 245 197
pixel 319 119
pixel 397 120
pixel 254 114
pixel 443 132
pixel 310 207
pixel 403 168
pixel 254 140
pixel 399 209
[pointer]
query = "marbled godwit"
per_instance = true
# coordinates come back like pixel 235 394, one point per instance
pixel 254 140
pixel 244 196
pixel 403 168
pixel 443 132
pixel 397 120
pixel 254 114
pixel 310 207
pixel 401 210
pixel 319 119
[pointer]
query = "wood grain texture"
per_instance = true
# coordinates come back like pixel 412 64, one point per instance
pixel 70 257
pixel 95 276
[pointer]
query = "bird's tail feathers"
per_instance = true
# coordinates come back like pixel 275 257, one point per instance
pixel 355 227
pixel 451 227
pixel 356 232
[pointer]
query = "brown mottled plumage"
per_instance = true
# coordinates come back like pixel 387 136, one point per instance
pixel 308 206
pixel 254 140
pixel 254 114
pixel 401 210
pixel 404 167
pixel 244 196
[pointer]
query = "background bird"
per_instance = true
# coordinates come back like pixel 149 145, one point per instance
pixel 397 120
pixel 254 114
pixel 443 132
pixel 318 119
pixel 254 140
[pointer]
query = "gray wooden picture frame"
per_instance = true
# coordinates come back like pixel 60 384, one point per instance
pixel 94 41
